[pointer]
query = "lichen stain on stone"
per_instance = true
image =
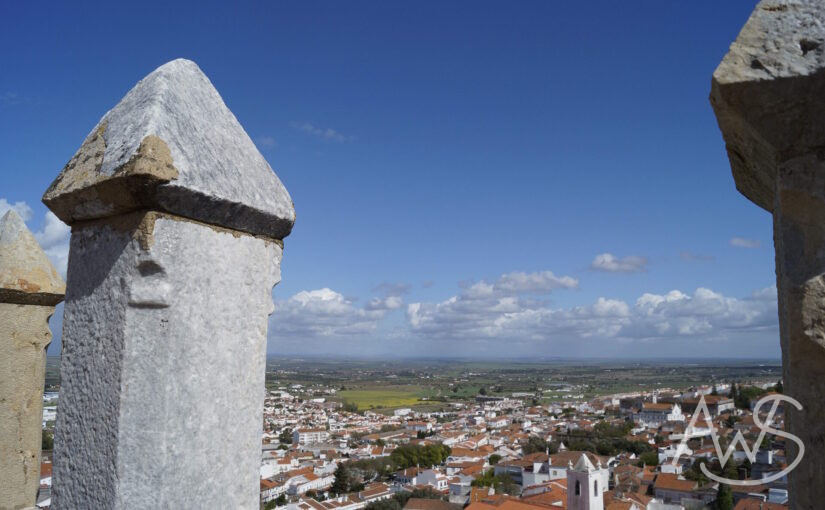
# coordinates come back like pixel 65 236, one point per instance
pixel 152 159
pixel 145 232
pixel 83 169
pixel 26 286
pixel 128 188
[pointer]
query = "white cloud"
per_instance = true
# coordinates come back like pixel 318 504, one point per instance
pixel 54 239
pixel 477 313
pixel 741 242
pixel 486 309
pixel 326 313
pixel 612 264
pixel 539 283
pixel 54 231
pixel 21 208
pixel 265 141
pixel 387 303
pixel 325 133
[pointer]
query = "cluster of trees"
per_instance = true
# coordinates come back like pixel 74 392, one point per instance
pixel 694 472
pixel 398 500
pixel 347 479
pixel 501 483
pixel 649 459
pixel 279 501
pixel 743 395
pixel 352 475
pixel 285 437
pixel 414 455
pixel 606 439
pixel 350 407
pixel 724 495
pixel 371 469
pixel 536 444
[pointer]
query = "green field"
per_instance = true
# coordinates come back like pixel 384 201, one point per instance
pixel 378 399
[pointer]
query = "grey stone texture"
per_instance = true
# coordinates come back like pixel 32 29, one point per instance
pixel 769 98
pixel 172 145
pixel 177 223
pixel 29 289
pixel 164 329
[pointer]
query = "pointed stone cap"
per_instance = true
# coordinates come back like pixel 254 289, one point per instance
pixel 172 145
pixel 768 93
pixel 583 464
pixel 27 277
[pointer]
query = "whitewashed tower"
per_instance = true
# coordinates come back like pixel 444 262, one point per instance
pixel 177 227
pixel 584 485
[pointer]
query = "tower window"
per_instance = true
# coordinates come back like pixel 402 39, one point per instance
pixel 578 488
pixel 595 487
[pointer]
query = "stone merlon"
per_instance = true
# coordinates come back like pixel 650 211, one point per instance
pixel 29 289
pixel 27 277
pixel 172 145
pixel 766 93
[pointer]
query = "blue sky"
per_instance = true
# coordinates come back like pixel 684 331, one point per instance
pixel 470 178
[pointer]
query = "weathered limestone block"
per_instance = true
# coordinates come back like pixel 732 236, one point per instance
pixel 177 223
pixel 29 290
pixel 172 145
pixel 769 98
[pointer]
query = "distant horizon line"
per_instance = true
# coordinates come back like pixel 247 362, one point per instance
pixel 524 359
pixel 516 359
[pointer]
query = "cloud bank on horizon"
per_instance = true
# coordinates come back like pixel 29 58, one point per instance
pixel 514 309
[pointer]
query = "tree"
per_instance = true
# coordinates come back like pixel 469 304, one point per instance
pixel 714 391
pixel 501 483
pixel 724 497
pixel 778 387
pixel 422 434
pixel 745 394
pixel 649 459
pixel 285 436
pixel 47 441
pixel 279 501
pixel 482 391
pixel 344 479
pixel 414 455
pixel 399 499
pixel 494 458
